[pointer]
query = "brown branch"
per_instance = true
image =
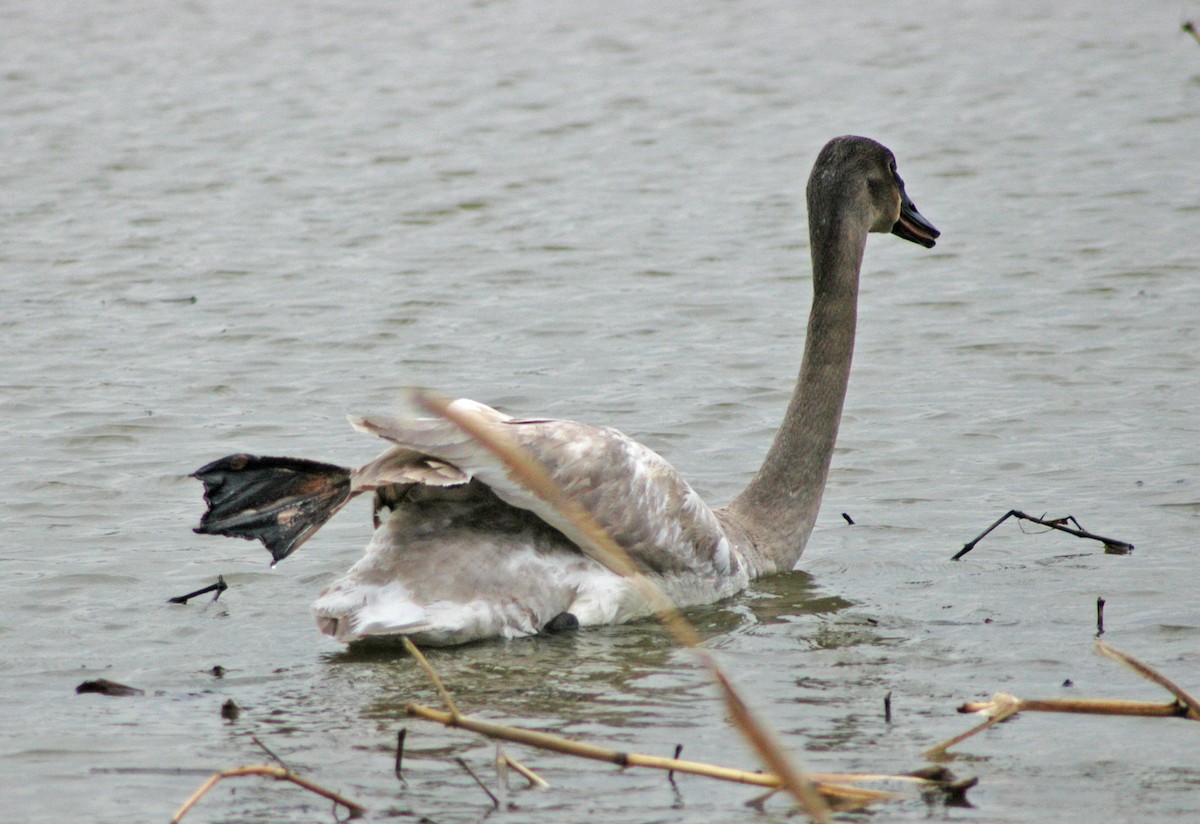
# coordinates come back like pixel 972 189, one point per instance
pixel 529 775
pixel 1083 706
pixel 495 801
pixel 1110 544
pixel 279 773
pixel 1190 705
pixel 1002 705
pixel 442 692
pixel 531 738
pixel 220 586
pixel 400 736
pixel 269 752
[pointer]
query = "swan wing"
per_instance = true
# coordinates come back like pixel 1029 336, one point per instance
pixel 639 498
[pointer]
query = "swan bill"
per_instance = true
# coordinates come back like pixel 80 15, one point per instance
pixel 913 226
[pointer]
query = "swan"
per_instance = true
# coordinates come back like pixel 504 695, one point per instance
pixel 462 552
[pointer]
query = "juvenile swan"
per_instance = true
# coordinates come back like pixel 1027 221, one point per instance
pixel 462 552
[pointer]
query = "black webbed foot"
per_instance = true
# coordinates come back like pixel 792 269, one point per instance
pixel 279 501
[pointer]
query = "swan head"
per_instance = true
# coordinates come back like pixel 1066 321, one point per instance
pixel 857 176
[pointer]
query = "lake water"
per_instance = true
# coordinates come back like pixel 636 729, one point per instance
pixel 225 225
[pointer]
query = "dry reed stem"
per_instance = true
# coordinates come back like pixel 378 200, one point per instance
pixel 279 773
pixel 1191 708
pixel 442 692
pixel 827 785
pixel 1002 705
pixel 598 545
pixel 529 775
pixel 1081 706
pixel 1002 711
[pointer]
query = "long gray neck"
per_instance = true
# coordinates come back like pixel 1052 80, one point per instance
pixel 776 512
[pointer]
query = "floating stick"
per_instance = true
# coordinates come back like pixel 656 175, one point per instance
pixel 671 773
pixel 1110 544
pixel 501 766
pixel 1190 28
pixel 1002 705
pixel 1081 706
pixel 529 775
pixel 443 693
pixel 1185 700
pixel 400 751
pixel 355 810
pixel 220 586
pixel 462 763
pixel 826 783
pixel 1099 616
pixel 268 751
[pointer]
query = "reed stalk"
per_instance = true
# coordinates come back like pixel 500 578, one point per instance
pixel 1002 705
pixel 354 809
pixel 825 784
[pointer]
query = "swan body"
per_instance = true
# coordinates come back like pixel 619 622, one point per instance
pixel 463 552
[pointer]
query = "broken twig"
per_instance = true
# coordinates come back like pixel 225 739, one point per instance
pixel 827 784
pixel 220 586
pixel 1002 705
pixel 270 753
pixel 529 775
pixel 462 763
pixel 1110 544
pixel 442 692
pixel 279 773
pixel 1150 674
pixel 671 773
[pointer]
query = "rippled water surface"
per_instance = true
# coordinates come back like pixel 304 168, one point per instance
pixel 225 225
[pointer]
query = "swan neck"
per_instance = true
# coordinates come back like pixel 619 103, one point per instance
pixel 777 510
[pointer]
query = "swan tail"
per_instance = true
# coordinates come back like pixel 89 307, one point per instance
pixel 278 501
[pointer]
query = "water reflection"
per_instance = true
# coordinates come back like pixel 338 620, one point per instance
pixel 625 676
pixel 781 598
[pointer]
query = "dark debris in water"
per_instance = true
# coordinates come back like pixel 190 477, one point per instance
pixel 219 587
pixel 1066 524
pixel 951 789
pixel 105 687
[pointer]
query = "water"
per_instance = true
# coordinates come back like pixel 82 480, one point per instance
pixel 224 226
